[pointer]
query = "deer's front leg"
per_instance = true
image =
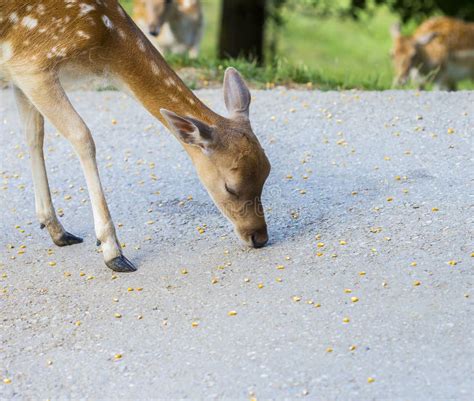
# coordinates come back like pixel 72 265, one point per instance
pixel 33 125
pixel 46 93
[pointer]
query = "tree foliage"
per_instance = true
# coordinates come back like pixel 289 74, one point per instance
pixel 406 9
pixel 418 9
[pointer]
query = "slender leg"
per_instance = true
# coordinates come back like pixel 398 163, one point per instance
pixel 444 83
pixel 47 95
pixel 33 124
pixel 452 86
pixel 194 51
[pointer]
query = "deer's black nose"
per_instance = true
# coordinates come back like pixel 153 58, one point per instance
pixel 259 238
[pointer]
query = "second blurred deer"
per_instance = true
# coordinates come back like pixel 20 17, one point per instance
pixel 440 50
pixel 175 25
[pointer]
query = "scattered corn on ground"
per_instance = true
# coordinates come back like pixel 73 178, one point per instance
pixel 364 287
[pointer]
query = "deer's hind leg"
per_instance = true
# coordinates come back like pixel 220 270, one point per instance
pixel 33 125
pixel 45 92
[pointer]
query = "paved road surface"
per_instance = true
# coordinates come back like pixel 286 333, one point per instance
pixel 380 180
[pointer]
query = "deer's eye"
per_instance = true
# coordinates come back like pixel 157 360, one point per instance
pixel 231 191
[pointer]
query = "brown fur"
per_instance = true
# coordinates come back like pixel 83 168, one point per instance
pixel 44 41
pixel 441 48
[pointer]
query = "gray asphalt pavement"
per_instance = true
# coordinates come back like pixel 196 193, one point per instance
pixel 363 293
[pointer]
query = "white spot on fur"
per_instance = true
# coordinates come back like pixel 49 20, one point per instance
pixel 170 82
pixel 85 9
pixel 191 101
pixel 107 22
pixel 6 52
pixel 82 34
pixel 55 52
pixel 141 45
pixel 155 69
pixel 29 22
pixel 122 34
pixel 13 17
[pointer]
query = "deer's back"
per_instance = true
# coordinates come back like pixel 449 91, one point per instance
pixel 44 34
pixel 453 37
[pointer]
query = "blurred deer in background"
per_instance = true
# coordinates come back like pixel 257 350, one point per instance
pixel 175 25
pixel 441 50
pixel 46 43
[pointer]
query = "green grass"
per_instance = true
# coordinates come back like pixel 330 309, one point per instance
pixel 343 50
pixel 332 53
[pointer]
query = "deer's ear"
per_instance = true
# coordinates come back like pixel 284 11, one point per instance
pixel 395 30
pixel 423 40
pixel 236 94
pixel 190 131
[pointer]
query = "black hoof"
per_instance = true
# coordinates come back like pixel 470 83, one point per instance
pixel 121 264
pixel 67 239
pixel 42 226
pixel 98 242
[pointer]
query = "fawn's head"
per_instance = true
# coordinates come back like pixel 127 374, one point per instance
pixel 407 53
pixel 156 14
pixel 229 160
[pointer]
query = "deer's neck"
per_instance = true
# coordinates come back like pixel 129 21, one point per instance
pixel 144 72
